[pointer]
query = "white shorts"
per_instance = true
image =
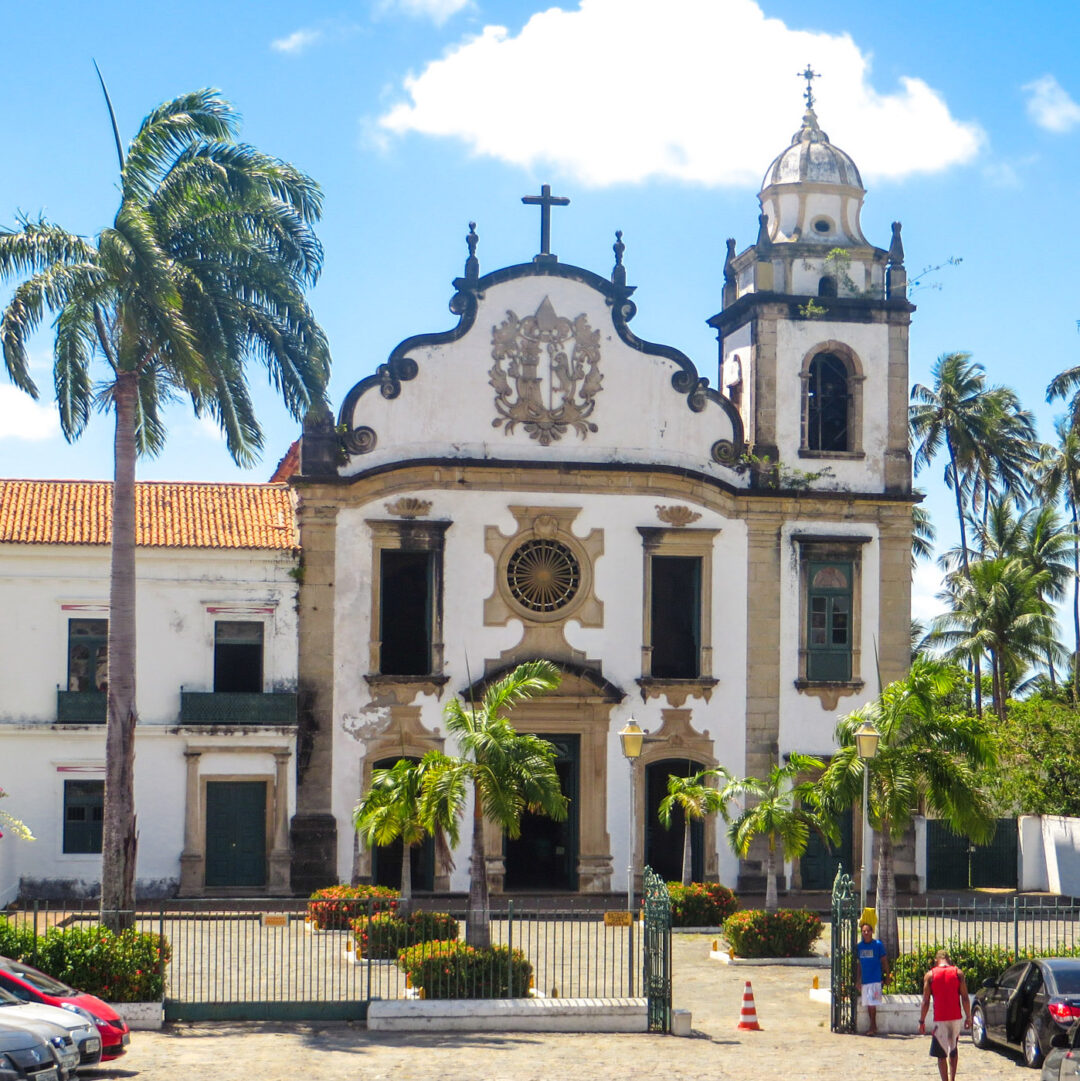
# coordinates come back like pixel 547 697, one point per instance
pixel 947 1034
pixel 871 994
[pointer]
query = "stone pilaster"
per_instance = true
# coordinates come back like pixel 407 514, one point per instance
pixel 193 858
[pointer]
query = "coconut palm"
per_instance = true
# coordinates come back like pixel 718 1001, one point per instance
pixel 203 268
pixel 784 812
pixel 927 757
pixel 695 797
pixel 922 535
pixel 507 772
pixel 392 810
pixel 1057 475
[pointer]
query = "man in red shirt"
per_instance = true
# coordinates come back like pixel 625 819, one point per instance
pixel 945 983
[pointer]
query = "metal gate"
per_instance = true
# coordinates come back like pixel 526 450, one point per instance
pixel 845 915
pixel 954 863
pixel 657 951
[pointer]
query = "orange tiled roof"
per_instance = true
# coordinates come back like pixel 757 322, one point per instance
pixel 168 514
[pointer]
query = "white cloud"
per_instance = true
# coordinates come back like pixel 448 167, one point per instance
pixel 926 584
pixel 624 90
pixel 23 418
pixel 1049 105
pixel 297 41
pixel 436 10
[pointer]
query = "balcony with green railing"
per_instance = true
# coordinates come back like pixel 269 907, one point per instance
pixel 80 707
pixel 232 707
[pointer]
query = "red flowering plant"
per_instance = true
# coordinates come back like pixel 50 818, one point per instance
pixel 701 904
pixel 384 935
pixel 456 970
pixel 790 932
pixel 333 908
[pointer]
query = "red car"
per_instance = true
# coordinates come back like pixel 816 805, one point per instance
pixel 28 983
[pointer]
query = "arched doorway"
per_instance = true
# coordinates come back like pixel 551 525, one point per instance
pixel 545 856
pixel 664 847
pixel 386 859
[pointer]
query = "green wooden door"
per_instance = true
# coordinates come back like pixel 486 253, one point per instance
pixel 821 860
pixel 235 833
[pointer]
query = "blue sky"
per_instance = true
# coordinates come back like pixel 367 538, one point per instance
pixel 417 116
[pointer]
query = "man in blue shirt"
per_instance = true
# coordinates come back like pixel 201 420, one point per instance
pixel 871 974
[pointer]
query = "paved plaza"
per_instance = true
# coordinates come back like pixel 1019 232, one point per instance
pixel 795 1044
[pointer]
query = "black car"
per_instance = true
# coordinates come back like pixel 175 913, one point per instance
pixel 1027 1005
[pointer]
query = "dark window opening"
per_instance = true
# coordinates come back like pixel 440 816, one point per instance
pixel 405 618
pixel 238 657
pixel 676 617
pixel 84 803
pixel 827 404
pixel 822 225
pixel 827 286
pixel 88 655
pixel 828 632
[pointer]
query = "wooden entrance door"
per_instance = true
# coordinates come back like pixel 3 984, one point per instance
pixel 235 834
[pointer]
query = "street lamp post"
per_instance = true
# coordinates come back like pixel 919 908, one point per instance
pixel 632 738
pixel 866 744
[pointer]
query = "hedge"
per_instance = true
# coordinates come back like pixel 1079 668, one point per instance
pixel 701 904
pixel 787 933
pixel 123 967
pixel 457 970
pixel 384 935
pixel 977 961
pixel 333 908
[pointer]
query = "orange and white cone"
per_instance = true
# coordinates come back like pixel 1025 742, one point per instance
pixel 748 1015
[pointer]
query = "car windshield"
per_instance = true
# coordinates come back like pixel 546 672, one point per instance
pixel 37 980
pixel 8 999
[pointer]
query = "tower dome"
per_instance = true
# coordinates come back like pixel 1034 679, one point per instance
pixel 812 192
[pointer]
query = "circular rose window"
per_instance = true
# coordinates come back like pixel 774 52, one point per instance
pixel 543 575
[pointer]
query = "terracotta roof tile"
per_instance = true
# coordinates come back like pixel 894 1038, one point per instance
pixel 168 514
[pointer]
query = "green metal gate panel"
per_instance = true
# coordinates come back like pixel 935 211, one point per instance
pixel 844 934
pixel 954 863
pixel 235 833
pixel 657 951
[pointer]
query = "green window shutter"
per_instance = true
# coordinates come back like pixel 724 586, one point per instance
pixel 828 632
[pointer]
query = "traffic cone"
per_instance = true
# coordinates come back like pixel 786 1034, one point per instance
pixel 748 1015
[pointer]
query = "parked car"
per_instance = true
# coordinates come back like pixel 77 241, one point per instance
pixel 65 1055
pixel 1027 1005
pixel 26 1055
pixel 77 1022
pixel 1062 1062
pixel 31 985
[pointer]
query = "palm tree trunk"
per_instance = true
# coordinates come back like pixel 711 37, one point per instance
pixel 119 837
pixel 771 901
pixel 1076 599
pixel 405 904
pixel 967 566
pixel 888 926
pixel 478 919
pixel 687 869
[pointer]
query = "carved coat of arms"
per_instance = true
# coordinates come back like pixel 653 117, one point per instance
pixel 551 375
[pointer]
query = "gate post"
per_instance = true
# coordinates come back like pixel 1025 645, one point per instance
pixel 842 967
pixel 657 951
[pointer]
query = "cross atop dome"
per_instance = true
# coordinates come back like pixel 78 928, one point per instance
pixel 809 75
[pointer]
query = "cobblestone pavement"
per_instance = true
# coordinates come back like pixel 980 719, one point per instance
pixel 795 1044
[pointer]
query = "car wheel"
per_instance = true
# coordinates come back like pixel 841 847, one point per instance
pixel 978 1027
pixel 1032 1050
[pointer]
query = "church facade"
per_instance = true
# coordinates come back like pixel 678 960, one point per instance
pixel 726 561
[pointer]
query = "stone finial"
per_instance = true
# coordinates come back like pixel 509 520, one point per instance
pixel 729 262
pixel 764 242
pixel 472 264
pixel 896 248
pixel 618 271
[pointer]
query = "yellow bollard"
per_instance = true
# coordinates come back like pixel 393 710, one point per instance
pixel 715 945
pixel 348 945
pixel 815 983
pixel 408 982
pixel 554 992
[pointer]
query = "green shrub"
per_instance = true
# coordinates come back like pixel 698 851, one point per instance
pixel 457 970
pixel 976 960
pixel 383 936
pixel 335 907
pixel 16 939
pixel 701 904
pixel 118 968
pixel 787 933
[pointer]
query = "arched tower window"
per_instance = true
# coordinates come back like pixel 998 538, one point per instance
pixel 827 404
pixel 827 286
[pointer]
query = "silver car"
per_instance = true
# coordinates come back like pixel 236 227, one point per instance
pixel 59 1040
pixel 26 1056
pixel 78 1023
pixel 1062 1062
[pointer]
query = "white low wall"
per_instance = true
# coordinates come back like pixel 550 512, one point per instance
pixel 510 1015
pixel 1050 854
pixel 145 1016
pixel 897 1014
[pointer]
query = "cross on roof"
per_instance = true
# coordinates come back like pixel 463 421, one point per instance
pixel 545 200
pixel 809 75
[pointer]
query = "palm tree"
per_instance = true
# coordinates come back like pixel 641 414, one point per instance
pixel 926 756
pixel 695 797
pixel 393 810
pixel 1057 475
pixel 785 811
pixel 922 535
pixel 507 772
pixel 203 267
pixel 984 433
